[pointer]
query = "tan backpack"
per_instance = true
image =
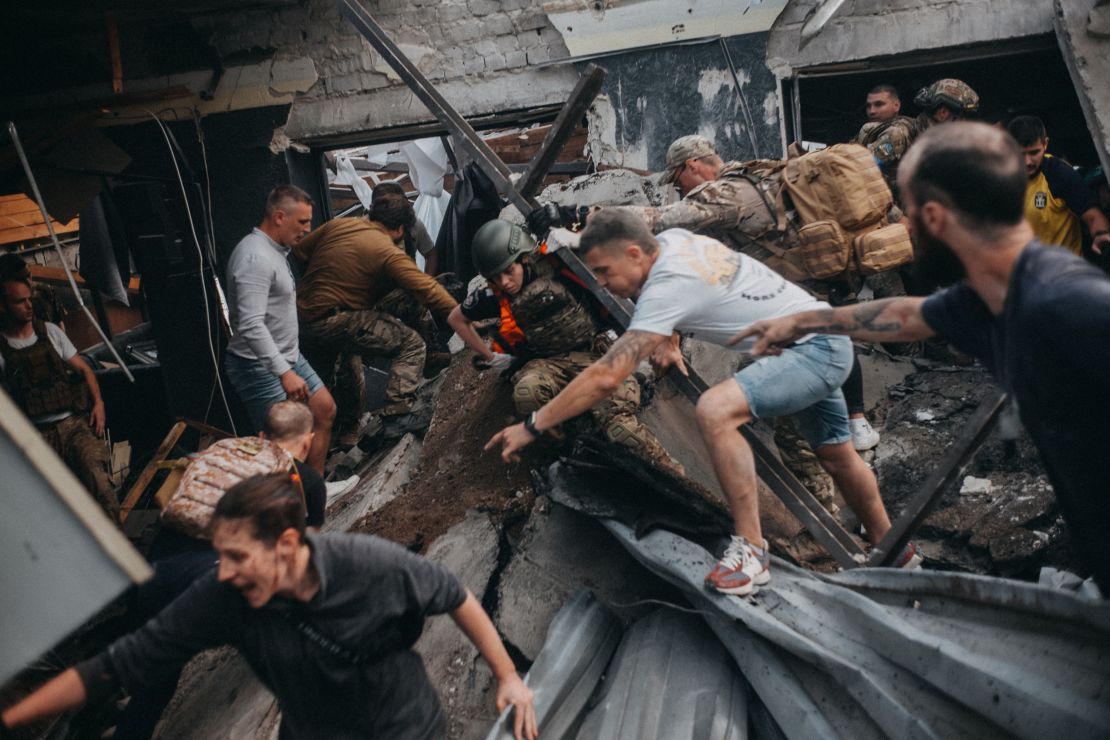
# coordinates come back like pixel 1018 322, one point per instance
pixel 842 201
pixel 213 471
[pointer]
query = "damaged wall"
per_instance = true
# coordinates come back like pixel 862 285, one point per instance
pixel 656 95
pixel 864 29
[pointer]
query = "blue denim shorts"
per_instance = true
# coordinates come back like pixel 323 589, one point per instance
pixel 804 382
pixel 259 389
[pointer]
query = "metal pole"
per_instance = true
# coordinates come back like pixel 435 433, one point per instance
pixel 58 248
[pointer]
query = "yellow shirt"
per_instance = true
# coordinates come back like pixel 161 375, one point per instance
pixel 1052 219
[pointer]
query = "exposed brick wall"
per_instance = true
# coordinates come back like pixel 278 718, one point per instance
pixel 447 39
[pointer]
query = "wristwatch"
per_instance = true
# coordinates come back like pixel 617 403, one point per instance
pixel 530 425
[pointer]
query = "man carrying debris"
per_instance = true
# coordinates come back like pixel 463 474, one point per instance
pixel 688 283
pixel 548 332
pixel 263 361
pixel 362 295
pixel 327 621
pixel 1057 200
pixel 1037 317
pixel 53 386
pixel 887 135
pixel 944 101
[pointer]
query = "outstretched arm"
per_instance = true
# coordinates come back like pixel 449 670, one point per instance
pixel 464 327
pixel 476 625
pixel 592 386
pixel 888 320
pixel 58 695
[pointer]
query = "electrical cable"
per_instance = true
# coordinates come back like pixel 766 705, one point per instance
pixel 203 282
pixel 58 248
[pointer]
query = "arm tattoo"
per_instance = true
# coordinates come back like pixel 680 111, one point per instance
pixel 864 316
pixel 630 348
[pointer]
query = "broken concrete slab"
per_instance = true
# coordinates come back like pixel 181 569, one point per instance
pixel 470 551
pixel 559 552
pixel 375 491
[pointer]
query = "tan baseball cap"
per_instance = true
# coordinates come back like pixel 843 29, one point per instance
pixel 693 146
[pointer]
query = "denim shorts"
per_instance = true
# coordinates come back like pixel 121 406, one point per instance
pixel 259 389
pixel 804 382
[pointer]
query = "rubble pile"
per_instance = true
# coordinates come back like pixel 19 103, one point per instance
pixel 1002 519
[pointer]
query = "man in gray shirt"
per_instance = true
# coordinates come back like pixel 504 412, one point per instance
pixel 263 359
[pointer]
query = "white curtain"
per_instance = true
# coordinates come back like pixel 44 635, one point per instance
pixel 427 161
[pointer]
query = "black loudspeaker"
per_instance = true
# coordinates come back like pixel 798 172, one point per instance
pixel 179 292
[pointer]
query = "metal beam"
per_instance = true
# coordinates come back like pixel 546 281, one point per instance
pixel 589 84
pixel 826 530
pixel 951 466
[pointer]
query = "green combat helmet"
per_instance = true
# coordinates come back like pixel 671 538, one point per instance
pixel 498 244
pixel 954 94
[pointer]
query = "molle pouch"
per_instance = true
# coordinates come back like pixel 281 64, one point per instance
pixel 883 249
pixel 825 249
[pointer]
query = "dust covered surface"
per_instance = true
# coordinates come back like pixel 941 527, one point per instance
pixel 454 474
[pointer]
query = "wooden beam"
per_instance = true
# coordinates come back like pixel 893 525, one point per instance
pixel 114 54
pixel 950 468
pixel 589 84
pixel 16 234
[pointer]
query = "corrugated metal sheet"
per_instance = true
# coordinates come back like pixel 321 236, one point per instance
pixel 883 653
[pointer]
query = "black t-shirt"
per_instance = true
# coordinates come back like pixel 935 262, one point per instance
pixel 315 494
pixel 372 600
pixel 480 305
pixel 1050 349
pixel 1066 184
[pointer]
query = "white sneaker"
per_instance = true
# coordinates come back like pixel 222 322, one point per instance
pixel 864 436
pixel 339 487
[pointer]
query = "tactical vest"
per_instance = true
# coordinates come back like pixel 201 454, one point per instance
pixel 40 380
pixel 547 315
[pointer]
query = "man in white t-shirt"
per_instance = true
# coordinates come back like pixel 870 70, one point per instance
pixel 696 285
pixel 53 385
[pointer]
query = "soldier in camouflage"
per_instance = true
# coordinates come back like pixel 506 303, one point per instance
pixel 733 202
pixel 547 333
pixel 887 135
pixel 361 295
pixel 944 101
pixel 53 386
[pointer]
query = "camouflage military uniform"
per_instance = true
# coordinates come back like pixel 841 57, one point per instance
pixel 737 209
pixel 888 141
pixel 45 387
pixel 383 332
pixel 563 337
pixel 87 456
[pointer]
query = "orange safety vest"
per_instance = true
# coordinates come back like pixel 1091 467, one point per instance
pixel 509 337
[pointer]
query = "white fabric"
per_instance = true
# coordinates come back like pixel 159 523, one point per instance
pixel 346 174
pixel 54 333
pixel 427 160
pixel 701 287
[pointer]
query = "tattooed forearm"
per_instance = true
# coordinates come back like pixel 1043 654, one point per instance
pixel 630 348
pixel 883 320
pixel 872 317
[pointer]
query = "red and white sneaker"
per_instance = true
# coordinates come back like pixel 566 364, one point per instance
pixel 741 568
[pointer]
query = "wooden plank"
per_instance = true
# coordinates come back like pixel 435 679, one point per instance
pixel 14 235
pixel 589 84
pixel 151 468
pixel 16 207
